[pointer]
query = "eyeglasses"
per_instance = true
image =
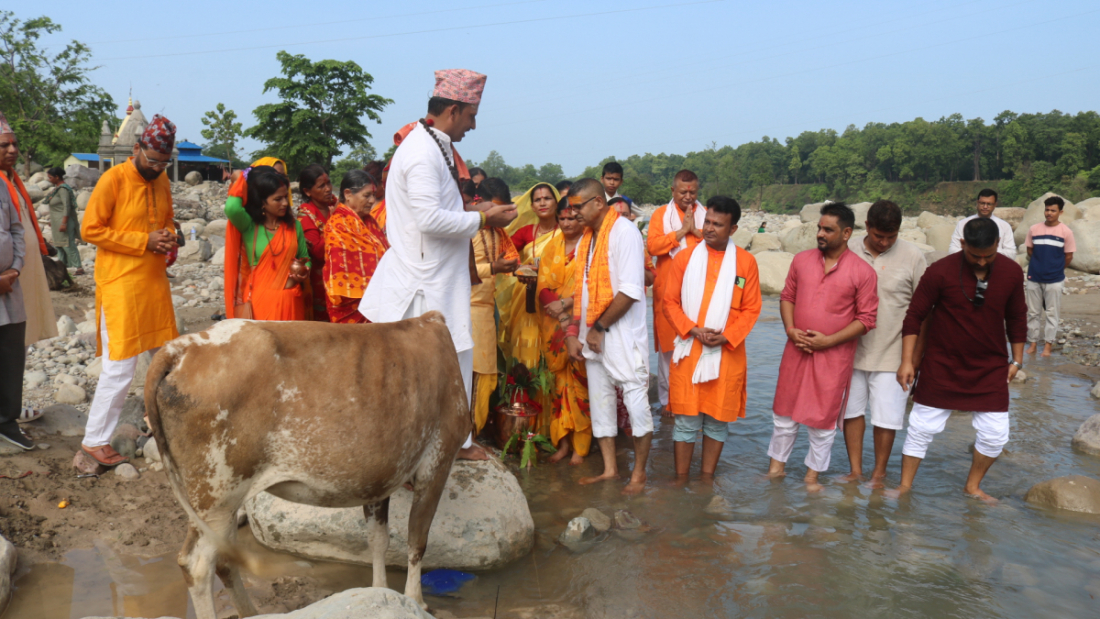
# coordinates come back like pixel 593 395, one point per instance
pixel 578 207
pixel 153 163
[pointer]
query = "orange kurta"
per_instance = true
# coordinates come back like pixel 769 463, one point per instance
pixel 659 243
pixel 722 398
pixel 131 281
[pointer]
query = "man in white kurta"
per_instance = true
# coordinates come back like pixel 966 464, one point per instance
pixel 987 203
pixel 617 353
pixel 428 264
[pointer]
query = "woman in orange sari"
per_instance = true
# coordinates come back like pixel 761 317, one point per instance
pixel 263 243
pixel 571 426
pixel 354 243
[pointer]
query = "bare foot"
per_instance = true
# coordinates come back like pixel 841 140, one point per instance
pixel 473 452
pixel 897 493
pixel 1031 349
pixel 679 481
pixel 584 481
pixel 813 486
pixel 1046 350
pixel 776 469
pixel 576 459
pixel 635 486
pixel 977 493
pixel 877 482
pixel 850 477
pixel 559 455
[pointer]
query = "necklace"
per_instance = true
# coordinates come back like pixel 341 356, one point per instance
pixel 442 150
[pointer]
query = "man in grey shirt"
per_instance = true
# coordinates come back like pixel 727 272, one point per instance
pixel 13 317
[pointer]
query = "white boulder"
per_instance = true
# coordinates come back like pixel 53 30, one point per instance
pixel 215 228
pixel 65 326
pixel 193 178
pixel 1089 209
pixel 763 241
pixel 801 238
pixel 860 209
pixel 195 251
pixel 219 257
pixel 7 570
pixel 742 237
pixel 913 235
pixel 70 394
pixel 773 267
pixel 1011 214
pixel 79 177
pixel 811 213
pixel 1087 236
pixel 939 236
pixel 1035 215
pixel 928 220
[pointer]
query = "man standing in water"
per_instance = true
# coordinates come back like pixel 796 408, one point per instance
pixel 609 331
pixel 899 266
pixel 971 299
pixel 829 300
pixel 713 301
pixel 430 264
pixel 987 203
pixel 673 228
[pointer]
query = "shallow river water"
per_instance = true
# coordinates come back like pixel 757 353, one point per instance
pixel 845 551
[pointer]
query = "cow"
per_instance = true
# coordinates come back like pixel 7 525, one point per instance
pixel 321 414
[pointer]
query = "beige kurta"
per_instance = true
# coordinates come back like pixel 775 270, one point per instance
pixel 482 305
pixel 41 320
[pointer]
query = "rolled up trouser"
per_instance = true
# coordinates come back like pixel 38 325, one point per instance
pixel 783 438
pixel 926 422
pixel 1043 298
pixel 688 426
pixel 603 405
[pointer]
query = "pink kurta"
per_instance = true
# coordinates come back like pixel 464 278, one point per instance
pixel 812 388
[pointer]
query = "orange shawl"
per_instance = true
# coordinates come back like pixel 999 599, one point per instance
pixel 30 207
pixel 379 214
pixel 353 247
pixel 460 165
pixel 265 285
pixel 599 272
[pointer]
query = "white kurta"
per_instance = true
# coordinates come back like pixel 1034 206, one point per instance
pixel 628 337
pixel 429 234
pixel 1007 247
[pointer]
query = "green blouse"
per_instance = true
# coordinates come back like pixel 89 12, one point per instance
pixel 234 211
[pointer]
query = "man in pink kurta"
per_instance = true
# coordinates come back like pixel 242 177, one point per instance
pixel 830 299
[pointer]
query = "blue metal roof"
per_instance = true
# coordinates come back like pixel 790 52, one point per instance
pixel 86 156
pixel 200 159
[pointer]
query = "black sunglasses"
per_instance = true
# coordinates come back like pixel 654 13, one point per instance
pixel 979 290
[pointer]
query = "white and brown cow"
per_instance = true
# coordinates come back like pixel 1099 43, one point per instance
pixel 321 414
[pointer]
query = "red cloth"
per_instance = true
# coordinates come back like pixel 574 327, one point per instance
pixel 523 236
pixel 812 388
pixel 313 222
pixel 965 365
pixel 160 135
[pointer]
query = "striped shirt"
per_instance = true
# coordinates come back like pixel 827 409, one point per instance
pixel 1049 246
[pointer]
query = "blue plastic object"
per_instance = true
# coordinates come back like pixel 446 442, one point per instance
pixel 440 582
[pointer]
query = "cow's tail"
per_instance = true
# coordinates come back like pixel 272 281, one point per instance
pixel 162 365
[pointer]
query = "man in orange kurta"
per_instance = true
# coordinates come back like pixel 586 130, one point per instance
pixel 129 220
pixel 671 232
pixel 708 373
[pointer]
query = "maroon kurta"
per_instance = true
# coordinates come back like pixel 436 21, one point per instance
pixel 965 364
pixel 812 387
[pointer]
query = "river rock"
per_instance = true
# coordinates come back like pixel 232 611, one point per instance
pixel 913 235
pixel 860 209
pixel 1087 236
pixel 1035 215
pixel 1090 209
pixel 79 177
pixel 126 446
pixel 70 394
pixel 65 326
pixel 215 228
pixel 193 227
pixel 7 570
pixel 928 220
pixel 578 531
pixel 719 508
pixel 35 193
pixel 373 602
pixel 150 451
pixel 1012 214
pixel 482 522
pixel 626 520
pixel 193 178
pixel 763 241
pixel 1075 493
pixel 94 369
pixel 219 256
pixel 939 236
pixel 62 419
pixel 801 238
pixel 88 326
pixel 87 252
pixel 195 252
pixel 600 521
pixel 86 465
pixel 811 213
pixel 773 267
pixel 35 379
pixel 933 256
pixel 1087 438
pixel 742 237
pixel 82 198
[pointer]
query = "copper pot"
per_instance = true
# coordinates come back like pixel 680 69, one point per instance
pixel 511 418
pixel 297 267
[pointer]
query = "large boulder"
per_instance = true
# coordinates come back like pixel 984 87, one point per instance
pixel 939 236
pixel 1035 215
pixel 215 228
pixel 34 192
pixel 1090 209
pixel 185 208
pixel 1075 493
pixel 1087 438
pixel 811 213
pixel 82 198
pixel 801 238
pixel 1086 234
pixel 914 235
pixel 219 256
pixel 372 602
pixel 193 228
pixel 193 178
pixel 860 209
pixel 773 267
pixel 194 252
pixel 742 237
pixel 1012 214
pixel 482 522
pixel 7 570
pixel 928 220
pixel 763 241
pixel 79 177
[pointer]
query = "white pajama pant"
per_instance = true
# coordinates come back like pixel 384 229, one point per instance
pixel 1043 298
pixel 664 362
pixel 110 392
pixel 926 422
pixel 784 435
pixel 465 357
pixel 883 393
pixel 603 403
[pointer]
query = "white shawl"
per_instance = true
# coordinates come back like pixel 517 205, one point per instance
pixel 673 223
pixel 691 296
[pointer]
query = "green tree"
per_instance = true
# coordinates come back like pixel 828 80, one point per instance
pixel 321 109
pixel 1074 154
pixel 52 106
pixel 357 158
pixel 222 131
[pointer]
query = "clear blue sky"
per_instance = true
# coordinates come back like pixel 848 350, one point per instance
pixel 572 82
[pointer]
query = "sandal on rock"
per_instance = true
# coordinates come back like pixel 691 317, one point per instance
pixel 105 455
pixel 29 414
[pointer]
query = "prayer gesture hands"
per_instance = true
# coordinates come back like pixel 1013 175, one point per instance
pixel 689 223
pixel 709 337
pixel 810 341
pixel 7 280
pixel 161 241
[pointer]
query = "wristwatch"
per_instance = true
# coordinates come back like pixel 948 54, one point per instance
pixel 598 327
pixel 1019 366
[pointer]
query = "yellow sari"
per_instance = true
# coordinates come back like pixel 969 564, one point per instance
pixel 570 411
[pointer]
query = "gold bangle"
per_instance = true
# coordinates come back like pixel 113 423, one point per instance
pixel 483 219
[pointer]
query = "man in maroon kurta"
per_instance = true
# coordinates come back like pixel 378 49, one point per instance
pixel 830 299
pixel 971 299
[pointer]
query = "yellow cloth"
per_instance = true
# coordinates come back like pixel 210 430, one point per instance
pixel 131 282
pixel 569 406
pixel 484 386
pixel 519 331
pixel 490 244
pixel 525 214
pixel 271 161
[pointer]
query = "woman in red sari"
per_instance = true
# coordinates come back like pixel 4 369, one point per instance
pixel 315 185
pixel 354 243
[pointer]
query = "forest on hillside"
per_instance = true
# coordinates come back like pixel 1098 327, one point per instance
pixel 1024 155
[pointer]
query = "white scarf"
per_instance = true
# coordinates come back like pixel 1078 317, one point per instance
pixel 673 223
pixel 691 296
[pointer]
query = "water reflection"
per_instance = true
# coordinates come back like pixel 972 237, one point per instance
pixel 846 551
